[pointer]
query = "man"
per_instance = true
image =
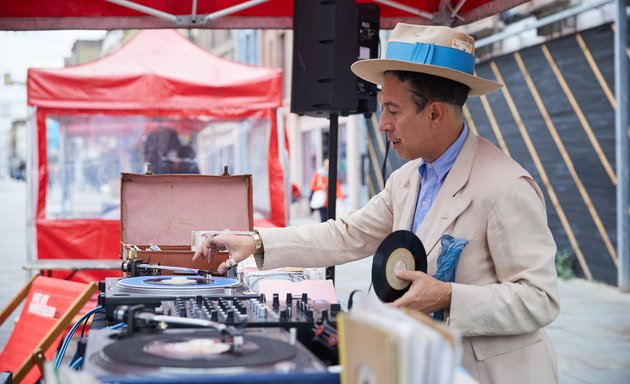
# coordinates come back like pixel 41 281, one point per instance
pixel 455 183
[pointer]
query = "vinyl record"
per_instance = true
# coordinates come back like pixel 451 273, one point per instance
pixel 400 250
pixel 186 350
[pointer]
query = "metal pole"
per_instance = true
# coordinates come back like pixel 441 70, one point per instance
pixel 621 135
pixel 333 139
pixel 145 9
pixel 233 9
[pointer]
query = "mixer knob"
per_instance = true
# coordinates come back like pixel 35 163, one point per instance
pixel 261 309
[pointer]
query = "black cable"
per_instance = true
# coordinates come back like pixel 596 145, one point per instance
pixel 350 299
pixel 85 325
pixel 80 351
pixel 384 166
pixel 383 173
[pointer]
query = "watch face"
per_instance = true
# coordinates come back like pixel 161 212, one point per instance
pixel 257 241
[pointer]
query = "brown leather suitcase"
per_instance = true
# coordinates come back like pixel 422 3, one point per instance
pixel 164 210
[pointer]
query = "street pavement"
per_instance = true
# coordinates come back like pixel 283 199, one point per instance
pixel 12 246
pixel 591 335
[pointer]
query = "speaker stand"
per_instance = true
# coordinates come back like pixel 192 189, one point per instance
pixel 333 140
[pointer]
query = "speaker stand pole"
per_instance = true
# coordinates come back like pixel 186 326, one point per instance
pixel 333 140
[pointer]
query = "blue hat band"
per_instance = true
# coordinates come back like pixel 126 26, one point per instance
pixel 431 54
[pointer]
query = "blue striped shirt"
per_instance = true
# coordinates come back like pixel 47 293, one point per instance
pixel 432 176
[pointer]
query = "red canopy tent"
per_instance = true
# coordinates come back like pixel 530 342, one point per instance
pixel 157 75
pixel 253 14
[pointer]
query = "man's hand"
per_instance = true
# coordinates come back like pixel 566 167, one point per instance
pixel 426 294
pixel 238 246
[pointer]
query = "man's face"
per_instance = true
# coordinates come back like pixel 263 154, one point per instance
pixel 408 131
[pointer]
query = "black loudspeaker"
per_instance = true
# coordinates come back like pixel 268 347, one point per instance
pixel 328 36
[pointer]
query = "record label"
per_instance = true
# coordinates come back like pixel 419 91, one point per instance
pixel 400 259
pixel 400 250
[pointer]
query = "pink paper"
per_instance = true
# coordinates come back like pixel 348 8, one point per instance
pixel 316 289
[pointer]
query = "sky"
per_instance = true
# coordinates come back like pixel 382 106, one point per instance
pixel 38 49
pixel 20 50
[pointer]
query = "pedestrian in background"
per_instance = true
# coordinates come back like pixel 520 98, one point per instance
pixel 319 191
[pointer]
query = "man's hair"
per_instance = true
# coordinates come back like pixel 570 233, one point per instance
pixel 427 88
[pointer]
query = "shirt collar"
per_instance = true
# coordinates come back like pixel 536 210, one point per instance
pixel 444 163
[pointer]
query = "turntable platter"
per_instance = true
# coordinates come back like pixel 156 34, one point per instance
pixel 182 282
pixel 169 286
pixel 161 351
pixel 179 280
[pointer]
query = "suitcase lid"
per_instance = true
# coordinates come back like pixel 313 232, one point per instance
pixel 165 209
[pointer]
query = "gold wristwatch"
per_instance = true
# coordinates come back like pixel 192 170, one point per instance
pixel 259 250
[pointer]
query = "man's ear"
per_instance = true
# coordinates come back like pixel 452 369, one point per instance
pixel 437 110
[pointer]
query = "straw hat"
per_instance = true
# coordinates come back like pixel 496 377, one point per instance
pixel 434 50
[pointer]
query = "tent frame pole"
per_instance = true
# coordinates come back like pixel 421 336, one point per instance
pixel 145 9
pixel 622 153
pixel 406 8
pixel 233 9
pixel 183 19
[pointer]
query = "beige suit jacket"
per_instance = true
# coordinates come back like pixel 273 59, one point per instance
pixel 505 290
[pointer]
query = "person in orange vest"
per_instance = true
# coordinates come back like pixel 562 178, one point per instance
pixel 319 191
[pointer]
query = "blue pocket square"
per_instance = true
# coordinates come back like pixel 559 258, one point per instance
pixel 447 262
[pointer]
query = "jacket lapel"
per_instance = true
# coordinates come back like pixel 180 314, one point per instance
pixel 449 203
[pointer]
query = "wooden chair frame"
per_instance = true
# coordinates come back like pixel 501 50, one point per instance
pixel 37 356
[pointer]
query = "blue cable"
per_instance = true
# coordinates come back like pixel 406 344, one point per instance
pixel 76 357
pixel 118 326
pixel 76 364
pixel 68 338
pixel 66 341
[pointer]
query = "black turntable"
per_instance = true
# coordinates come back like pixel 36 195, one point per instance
pixel 152 290
pixel 292 340
pixel 266 355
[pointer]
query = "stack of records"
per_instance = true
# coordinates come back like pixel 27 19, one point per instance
pixel 383 344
